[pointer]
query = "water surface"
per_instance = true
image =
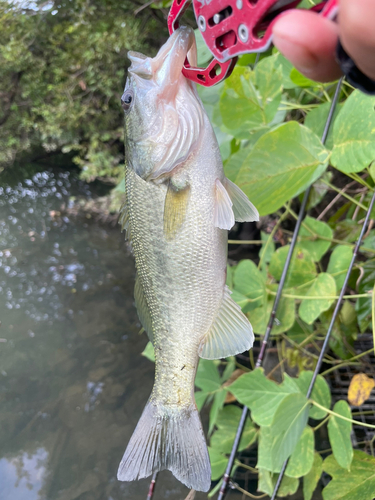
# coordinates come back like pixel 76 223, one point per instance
pixel 72 381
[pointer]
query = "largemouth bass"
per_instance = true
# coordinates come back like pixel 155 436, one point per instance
pixel 178 210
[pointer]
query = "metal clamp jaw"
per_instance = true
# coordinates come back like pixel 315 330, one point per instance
pixel 234 27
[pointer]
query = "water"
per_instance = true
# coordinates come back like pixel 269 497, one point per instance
pixel 72 381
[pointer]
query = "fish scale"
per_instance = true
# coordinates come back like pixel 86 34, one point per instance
pixel 179 207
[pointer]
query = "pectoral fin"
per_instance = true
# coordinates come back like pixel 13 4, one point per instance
pixel 175 210
pixel 224 216
pixel 230 334
pixel 244 210
pixel 142 308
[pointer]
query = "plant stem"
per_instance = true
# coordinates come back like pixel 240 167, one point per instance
pixel 321 423
pixel 332 240
pixel 346 363
pixel 246 493
pixel 347 196
pixel 341 416
pixel 323 297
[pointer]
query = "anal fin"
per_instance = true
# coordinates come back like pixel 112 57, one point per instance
pixel 243 209
pixel 231 332
pixel 142 308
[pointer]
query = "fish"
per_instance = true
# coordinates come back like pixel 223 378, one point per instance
pixel 179 207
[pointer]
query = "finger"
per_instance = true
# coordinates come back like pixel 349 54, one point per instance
pixel 309 42
pixel 357 34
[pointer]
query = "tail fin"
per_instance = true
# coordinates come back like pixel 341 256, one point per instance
pixel 168 438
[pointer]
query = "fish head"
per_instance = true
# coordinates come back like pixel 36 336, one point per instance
pixel 163 113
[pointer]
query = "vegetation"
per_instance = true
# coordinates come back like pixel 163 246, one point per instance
pixel 269 121
pixel 63 68
pixel 62 72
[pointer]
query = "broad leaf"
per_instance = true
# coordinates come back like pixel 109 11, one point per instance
pixel 277 442
pixel 354 134
pixel 339 431
pixel 227 421
pixel 149 352
pixel 208 378
pixel 357 484
pixel 360 389
pixel 339 264
pixel 309 237
pixel 281 165
pixel 249 282
pixel 259 317
pixel 311 480
pixel 267 483
pixel 267 249
pixel 302 458
pixel 200 398
pixel 260 394
pixel 302 268
pixel 251 98
pixel 218 463
pixel 311 308
pixel 321 393
pixel 316 120
pixel 217 405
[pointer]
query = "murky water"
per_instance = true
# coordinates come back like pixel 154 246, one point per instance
pixel 72 381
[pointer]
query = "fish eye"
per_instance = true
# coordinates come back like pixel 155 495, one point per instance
pixel 127 100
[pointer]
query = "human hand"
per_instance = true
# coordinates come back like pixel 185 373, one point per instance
pixel 309 41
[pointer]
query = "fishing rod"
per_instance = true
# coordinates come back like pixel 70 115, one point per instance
pixel 267 335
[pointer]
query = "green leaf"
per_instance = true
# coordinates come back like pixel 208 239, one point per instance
pixel 227 423
pixel 251 98
pixel 259 394
pixel 267 249
pixel 282 163
pixel 372 171
pixel 200 398
pixel 358 484
pixel 302 458
pixel 302 268
pixel 321 393
pixel 309 240
pixel 339 263
pixel 316 120
pixel 339 431
pixel 319 190
pixel 278 441
pixel 218 463
pixel 204 54
pixel 249 282
pixel 216 406
pixel 310 481
pixel 259 317
pixel 354 134
pixel 149 352
pixel 301 80
pixel 267 483
pixel 208 378
pixel 323 286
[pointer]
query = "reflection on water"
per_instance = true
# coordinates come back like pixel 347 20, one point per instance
pixel 72 382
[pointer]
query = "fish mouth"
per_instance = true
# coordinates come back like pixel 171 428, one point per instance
pixel 165 68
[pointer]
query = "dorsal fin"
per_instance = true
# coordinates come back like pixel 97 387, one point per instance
pixel 230 333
